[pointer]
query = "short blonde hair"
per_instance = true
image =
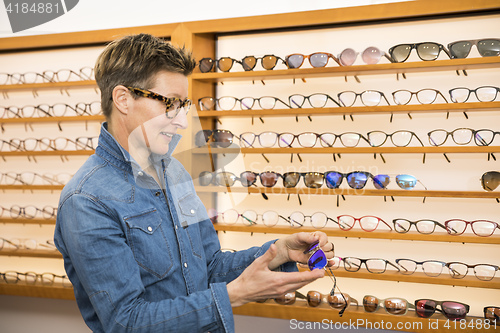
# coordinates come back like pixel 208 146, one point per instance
pixel 134 61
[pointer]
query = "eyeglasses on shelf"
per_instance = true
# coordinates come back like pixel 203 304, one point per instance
pixel 373 265
pixel 483 228
pixel 367 97
pixel 249 217
pixel 424 96
pixel 462 136
pixel 44 144
pixel 483 94
pixel 423 226
pixel 62 75
pixel 228 103
pixel 317 100
pixel 32 178
pixel 400 138
pixel 306 139
pixel 32 278
pixel 28 212
pixel 431 268
pixel 484 272
pixel 367 223
pixel 225 64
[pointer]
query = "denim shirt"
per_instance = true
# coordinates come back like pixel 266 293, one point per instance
pixel 143 259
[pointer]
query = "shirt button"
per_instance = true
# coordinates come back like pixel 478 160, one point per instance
pixel 140 173
pixel 192 211
pixel 175 227
pixel 185 265
pixel 157 194
pixel 150 229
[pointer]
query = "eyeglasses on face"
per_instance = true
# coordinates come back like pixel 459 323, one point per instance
pixel 315 100
pixel 424 96
pixel 173 105
pixel 426 51
pixel 368 223
pixel 318 220
pixel 371 55
pixel 424 226
pixel 376 265
pixel 368 98
pixel 392 305
pixel 398 138
pixel 483 94
pixel 481 228
pixel 484 272
pixel 228 103
pixel 220 138
pixel 452 310
pixel 317 59
pixel 336 301
pixel 431 268
pixel 489 47
pixel 490 180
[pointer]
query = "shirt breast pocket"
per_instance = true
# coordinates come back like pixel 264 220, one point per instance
pixel 192 211
pixel 149 243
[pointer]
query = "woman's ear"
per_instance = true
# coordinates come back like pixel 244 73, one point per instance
pixel 121 97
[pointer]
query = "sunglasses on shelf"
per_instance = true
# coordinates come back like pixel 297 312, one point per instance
pixel 371 55
pixel 392 305
pixel 484 272
pixel 483 94
pixel 367 223
pixel 425 308
pixel 487 47
pixel 248 63
pixel 492 314
pixel 426 51
pixel 317 59
pixel 224 178
pixel 481 228
pixel 357 180
pixel 336 301
pixel 431 268
pixel 424 226
pixel 490 180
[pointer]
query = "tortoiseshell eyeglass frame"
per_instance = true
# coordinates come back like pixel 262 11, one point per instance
pixel 169 101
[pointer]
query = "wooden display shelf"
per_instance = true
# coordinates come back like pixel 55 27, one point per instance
pixel 355 317
pixel 328 191
pixel 377 69
pixel 353 110
pixel 355 150
pixel 48 85
pixel 53 254
pixel 418 277
pixel 32 187
pixel 28 221
pixel 48 153
pixel 51 119
pixel 356 233
pixel 57 290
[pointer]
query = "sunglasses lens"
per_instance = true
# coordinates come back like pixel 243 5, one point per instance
pixel 248 63
pixel 371 55
pixel 337 301
pixel 395 306
pixel 270 218
pixel 357 180
pixel 347 57
pixel 489 47
pixel 287 299
pixel 201 137
pixel 406 182
pixel 291 179
pixel 268 62
pixel 313 298
pixel 225 64
pixel 318 59
pixel 294 60
pixel 492 313
pixel 248 178
pixel 269 179
pixel 381 181
pixel 370 303
pixel 490 180
pixel 428 51
pixel 460 49
pixel 225 179
pixel 314 179
pixel 206 65
pixel 205 178
pixel 317 260
pixel 425 308
pixel 454 310
pixel 401 52
pixel 333 179
pixel 223 138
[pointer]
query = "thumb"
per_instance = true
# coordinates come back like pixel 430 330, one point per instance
pixel 270 254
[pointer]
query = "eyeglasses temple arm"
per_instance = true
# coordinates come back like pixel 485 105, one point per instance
pixel 388 57
pixel 440 225
pixel 284 103
pixel 383 95
pixel 387 224
pixel 330 97
pixel 329 218
pixel 393 265
pixel 441 94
